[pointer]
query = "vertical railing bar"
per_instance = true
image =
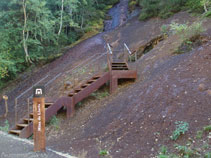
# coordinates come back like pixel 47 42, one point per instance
pixel 16 103
pixel 28 109
pixel 136 56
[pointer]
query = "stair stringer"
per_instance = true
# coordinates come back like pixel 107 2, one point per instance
pixel 86 92
pixel 52 110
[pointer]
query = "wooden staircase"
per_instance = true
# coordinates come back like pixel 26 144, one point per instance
pixel 117 70
pixel 24 126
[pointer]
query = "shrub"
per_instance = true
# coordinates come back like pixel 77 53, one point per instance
pixel 185 151
pixel 199 134
pixel 187 32
pixel 103 153
pixel 132 4
pixel 54 122
pixel 163 149
pixel 181 128
pixel 176 28
pixel 164 29
pixel 194 6
pixel 207 128
pixel 208 14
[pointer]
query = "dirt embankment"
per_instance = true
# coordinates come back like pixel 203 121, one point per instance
pixel 136 120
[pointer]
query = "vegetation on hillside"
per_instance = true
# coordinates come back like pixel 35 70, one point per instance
pixel 195 147
pixel 33 31
pixel 165 8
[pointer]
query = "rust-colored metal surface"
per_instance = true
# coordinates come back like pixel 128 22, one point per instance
pixel 24 129
pixel 117 70
pixel 39 124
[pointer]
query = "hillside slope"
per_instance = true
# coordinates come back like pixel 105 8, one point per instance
pixel 170 88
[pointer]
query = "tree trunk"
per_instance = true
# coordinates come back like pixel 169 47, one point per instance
pixel 205 7
pixel 25 36
pixel 61 20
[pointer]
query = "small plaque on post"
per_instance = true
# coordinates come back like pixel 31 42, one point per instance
pixel 39 92
pixel 39 118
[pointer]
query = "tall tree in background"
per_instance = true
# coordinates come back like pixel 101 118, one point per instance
pixel 32 31
pixel 25 33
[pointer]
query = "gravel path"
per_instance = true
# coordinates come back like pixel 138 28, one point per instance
pixel 13 147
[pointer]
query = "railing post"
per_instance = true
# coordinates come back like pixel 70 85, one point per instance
pixel 135 56
pixel 6 105
pixel 28 110
pixel 129 52
pixel 16 104
pixel 109 56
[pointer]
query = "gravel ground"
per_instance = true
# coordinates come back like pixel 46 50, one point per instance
pixel 13 147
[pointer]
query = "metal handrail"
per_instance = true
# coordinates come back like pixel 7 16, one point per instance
pixel 127 48
pixel 109 48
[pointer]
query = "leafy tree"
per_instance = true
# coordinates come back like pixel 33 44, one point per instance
pixel 33 31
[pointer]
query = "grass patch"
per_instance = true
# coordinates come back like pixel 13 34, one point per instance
pixel 190 35
pixel 199 134
pixel 55 122
pixel 207 128
pixel 103 153
pixel 193 148
pixel 100 94
pixel 6 126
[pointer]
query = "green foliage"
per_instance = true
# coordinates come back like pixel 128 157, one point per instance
pixel 6 126
pixel 181 128
pixel 207 155
pixel 41 30
pixel 208 14
pixel 185 151
pixel 207 128
pixel 132 4
pixel 54 122
pixel 199 134
pixel 103 153
pixel 164 29
pixel 166 8
pixel 163 149
pixel 176 28
pixel 100 95
pixel 198 148
pixel 161 8
pixel 187 32
pixel 199 6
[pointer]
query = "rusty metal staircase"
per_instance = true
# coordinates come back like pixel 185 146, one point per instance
pixel 117 70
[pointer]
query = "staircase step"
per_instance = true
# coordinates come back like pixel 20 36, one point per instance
pixel 119 68
pixel 31 115
pixel 49 104
pixel 77 90
pixel 15 131
pixel 84 86
pixel 71 94
pixel 118 63
pixel 22 125
pixel 96 77
pixel 91 81
pixel 27 119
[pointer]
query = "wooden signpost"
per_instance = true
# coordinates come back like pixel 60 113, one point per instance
pixel 39 118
